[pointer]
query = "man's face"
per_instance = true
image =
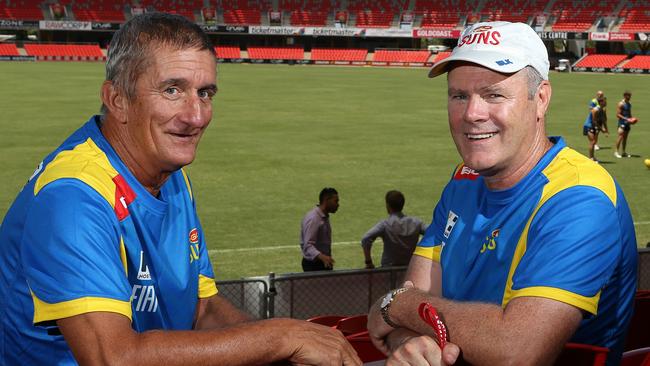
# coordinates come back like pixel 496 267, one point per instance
pixel 492 122
pixel 332 203
pixel 627 97
pixel 172 108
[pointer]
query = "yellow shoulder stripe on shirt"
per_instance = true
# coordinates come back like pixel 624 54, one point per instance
pixel 187 183
pixel 568 169
pixel 44 311
pixel 207 287
pixel 432 253
pixel 87 163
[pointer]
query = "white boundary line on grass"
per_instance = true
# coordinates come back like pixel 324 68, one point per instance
pixel 340 243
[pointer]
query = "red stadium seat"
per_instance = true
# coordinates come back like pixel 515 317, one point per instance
pixel 576 354
pixel 638 62
pixel 337 54
pixel 328 320
pixel 276 53
pixel 365 349
pixel 401 56
pixel 637 357
pixel 353 324
pixel 607 61
pixel 8 49
pixel 638 335
pixel 228 52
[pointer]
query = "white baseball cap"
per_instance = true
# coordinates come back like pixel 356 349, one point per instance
pixel 500 46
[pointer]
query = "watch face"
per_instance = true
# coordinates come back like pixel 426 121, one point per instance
pixel 386 300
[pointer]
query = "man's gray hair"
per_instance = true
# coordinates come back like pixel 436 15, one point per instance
pixel 132 48
pixel 534 81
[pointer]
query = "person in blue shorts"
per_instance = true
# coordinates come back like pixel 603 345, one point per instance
pixel 624 114
pixel 531 245
pixel 593 103
pixel 594 124
pixel 103 258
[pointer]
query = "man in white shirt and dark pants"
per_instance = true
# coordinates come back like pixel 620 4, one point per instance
pixel 400 234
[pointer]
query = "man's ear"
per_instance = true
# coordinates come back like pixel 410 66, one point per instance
pixel 115 101
pixel 543 98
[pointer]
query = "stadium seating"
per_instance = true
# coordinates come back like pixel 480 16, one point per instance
pixel 21 10
pixel 579 15
pixel 440 20
pixel 401 56
pixel 374 19
pixel 393 6
pixel 8 49
pixel 441 56
pixel 97 10
pixel 242 17
pixel 636 19
pixel 276 53
pixel 337 54
pixel 310 18
pixel 606 61
pixel 116 16
pixel 57 52
pixel 228 52
pixel 185 8
pixel 512 10
pixel 638 62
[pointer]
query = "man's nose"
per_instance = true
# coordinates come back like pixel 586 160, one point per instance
pixel 196 111
pixel 476 109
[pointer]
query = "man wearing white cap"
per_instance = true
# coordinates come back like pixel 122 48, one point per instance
pixel 531 244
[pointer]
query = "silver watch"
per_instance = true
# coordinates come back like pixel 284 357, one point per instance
pixel 385 305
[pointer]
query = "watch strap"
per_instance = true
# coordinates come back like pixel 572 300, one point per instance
pixel 385 308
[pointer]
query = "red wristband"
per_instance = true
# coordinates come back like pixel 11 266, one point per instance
pixel 430 316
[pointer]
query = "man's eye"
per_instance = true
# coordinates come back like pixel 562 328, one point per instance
pixel 206 94
pixel 172 90
pixel 458 97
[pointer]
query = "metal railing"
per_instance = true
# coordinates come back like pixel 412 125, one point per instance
pixel 347 292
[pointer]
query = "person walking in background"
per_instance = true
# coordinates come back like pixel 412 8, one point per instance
pixel 625 119
pixel 399 232
pixel 591 127
pixel 316 233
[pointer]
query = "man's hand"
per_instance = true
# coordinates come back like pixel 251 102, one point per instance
pixel 423 350
pixel 315 344
pixel 377 327
pixel 327 260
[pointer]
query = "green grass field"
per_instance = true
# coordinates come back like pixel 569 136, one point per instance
pixel 280 133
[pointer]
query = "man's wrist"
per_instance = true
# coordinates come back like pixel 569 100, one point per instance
pixel 386 303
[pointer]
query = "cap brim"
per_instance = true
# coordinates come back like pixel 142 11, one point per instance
pixel 492 60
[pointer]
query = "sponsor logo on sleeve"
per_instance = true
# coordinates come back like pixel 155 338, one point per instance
pixel 452 219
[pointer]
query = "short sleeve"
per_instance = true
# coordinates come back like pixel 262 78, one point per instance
pixel 72 253
pixel 430 246
pixel 207 285
pixel 572 249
